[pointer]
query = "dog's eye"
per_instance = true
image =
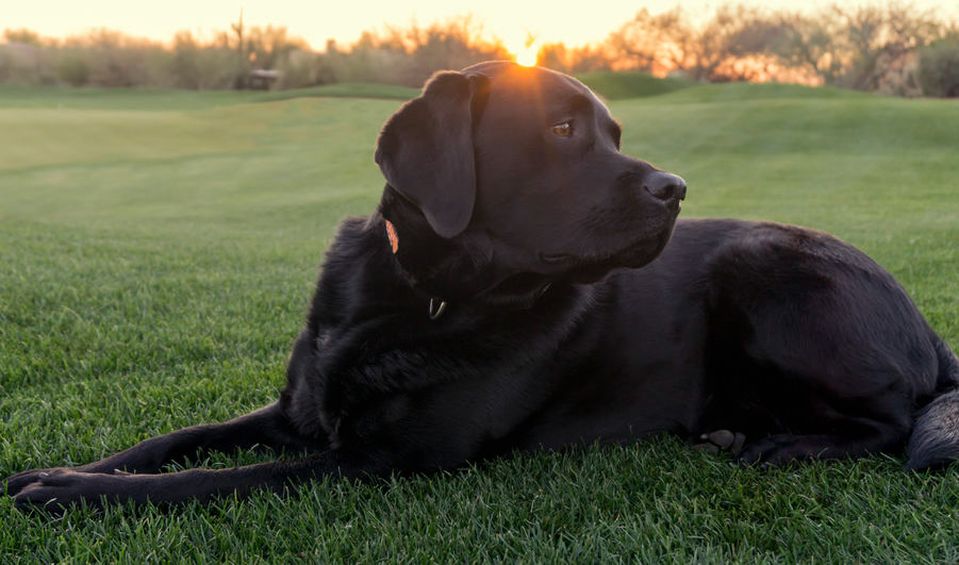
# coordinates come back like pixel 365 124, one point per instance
pixel 563 129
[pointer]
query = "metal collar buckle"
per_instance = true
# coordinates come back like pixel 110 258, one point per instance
pixel 437 307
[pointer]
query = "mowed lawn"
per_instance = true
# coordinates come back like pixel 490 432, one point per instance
pixel 157 253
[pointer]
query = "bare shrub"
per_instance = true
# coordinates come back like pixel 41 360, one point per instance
pixel 939 68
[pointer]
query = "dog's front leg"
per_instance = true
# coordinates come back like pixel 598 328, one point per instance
pixel 266 427
pixel 59 488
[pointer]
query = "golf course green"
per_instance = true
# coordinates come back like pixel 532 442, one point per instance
pixel 158 251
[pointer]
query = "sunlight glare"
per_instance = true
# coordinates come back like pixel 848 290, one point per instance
pixel 525 53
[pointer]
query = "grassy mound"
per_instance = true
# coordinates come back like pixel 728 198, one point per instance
pixel 346 90
pixel 737 91
pixel 142 99
pixel 614 86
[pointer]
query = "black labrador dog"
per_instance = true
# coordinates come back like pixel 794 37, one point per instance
pixel 524 285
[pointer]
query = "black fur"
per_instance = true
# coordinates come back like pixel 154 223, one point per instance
pixel 578 310
pixel 935 438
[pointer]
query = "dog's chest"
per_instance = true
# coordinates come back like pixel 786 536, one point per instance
pixel 365 385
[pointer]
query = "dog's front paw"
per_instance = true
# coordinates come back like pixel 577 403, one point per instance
pixel 17 482
pixel 55 489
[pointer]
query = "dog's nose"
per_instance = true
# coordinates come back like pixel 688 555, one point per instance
pixel 665 186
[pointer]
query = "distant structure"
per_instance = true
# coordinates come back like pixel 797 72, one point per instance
pixel 262 79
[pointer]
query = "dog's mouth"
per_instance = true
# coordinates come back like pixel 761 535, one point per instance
pixel 577 269
pixel 556 258
pixel 592 267
pixel 654 243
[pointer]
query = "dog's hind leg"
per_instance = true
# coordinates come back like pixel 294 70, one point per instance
pixel 829 356
pixel 818 390
pixel 266 428
pixel 780 449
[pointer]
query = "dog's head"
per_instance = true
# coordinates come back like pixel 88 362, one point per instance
pixel 516 175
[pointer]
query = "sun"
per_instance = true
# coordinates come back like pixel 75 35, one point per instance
pixel 525 53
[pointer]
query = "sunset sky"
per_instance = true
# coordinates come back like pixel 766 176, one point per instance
pixel 316 21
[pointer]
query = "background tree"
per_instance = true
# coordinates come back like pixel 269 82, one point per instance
pixel 872 47
pixel 939 67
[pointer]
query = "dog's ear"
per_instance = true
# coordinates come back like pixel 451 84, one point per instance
pixel 426 150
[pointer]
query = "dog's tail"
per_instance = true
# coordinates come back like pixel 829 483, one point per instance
pixel 935 435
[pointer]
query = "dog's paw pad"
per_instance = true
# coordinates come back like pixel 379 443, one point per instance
pixel 721 441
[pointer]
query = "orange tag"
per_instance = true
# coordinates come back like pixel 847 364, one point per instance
pixel 391 234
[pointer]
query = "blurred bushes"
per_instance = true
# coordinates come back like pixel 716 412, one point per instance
pixel 106 58
pixel 101 58
pixel 894 49
pixel 409 56
pixel 939 68
pixel 868 47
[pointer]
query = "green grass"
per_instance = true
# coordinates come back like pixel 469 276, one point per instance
pixel 347 90
pixel 615 86
pixel 140 99
pixel 158 252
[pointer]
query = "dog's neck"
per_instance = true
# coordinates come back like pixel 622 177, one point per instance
pixel 456 271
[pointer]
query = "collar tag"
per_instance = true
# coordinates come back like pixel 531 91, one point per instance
pixel 391 235
pixel 437 307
